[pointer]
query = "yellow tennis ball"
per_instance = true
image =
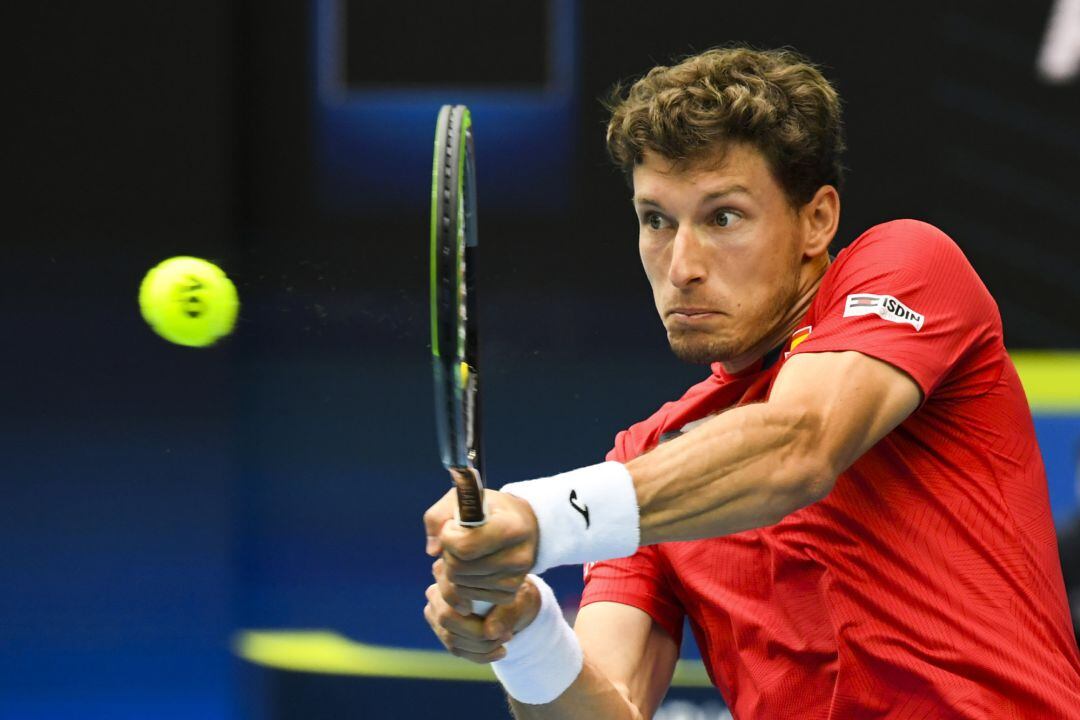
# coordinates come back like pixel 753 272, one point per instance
pixel 189 301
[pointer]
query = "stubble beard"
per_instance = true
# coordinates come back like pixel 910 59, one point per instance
pixel 700 347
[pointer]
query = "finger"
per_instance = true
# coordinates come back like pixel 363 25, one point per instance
pixel 507 583
pixel 499 623
pixel 435 518
pixel 503 530
pixel 510 563
pixel 494 597
pixel 472 645
pixel 453 643
pixel 460 597
pixel 504 621
pixel 433 623
pixel 472 543
pixel 463 624
pixel 480 658
pixel 447 591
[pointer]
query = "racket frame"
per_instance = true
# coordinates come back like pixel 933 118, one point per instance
pixel 454 344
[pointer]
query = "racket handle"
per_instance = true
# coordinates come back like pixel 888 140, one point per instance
pixel 471 512
pixel 470 497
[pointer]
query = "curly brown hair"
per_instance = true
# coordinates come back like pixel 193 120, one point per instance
pixel 776 100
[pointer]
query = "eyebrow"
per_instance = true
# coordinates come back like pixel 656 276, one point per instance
pixel 730 190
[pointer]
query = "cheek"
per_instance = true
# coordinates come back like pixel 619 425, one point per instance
pixel 753 274
pixel 652 261
pixel 767 259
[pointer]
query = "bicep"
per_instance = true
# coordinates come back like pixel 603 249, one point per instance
pixel 856 400
pixel 630 649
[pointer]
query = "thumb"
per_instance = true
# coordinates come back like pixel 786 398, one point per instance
pixel 499 623
pixel 436 516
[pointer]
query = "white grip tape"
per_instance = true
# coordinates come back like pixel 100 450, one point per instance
pixel 545 658
pixel 584 515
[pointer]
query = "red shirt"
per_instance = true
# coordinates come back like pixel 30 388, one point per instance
pixel 927 583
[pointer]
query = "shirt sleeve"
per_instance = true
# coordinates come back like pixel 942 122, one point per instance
pixel 638 581
pixel 904 293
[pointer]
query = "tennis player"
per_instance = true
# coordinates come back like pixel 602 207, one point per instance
pixel 851 509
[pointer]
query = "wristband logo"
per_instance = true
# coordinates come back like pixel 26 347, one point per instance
pixel 583 509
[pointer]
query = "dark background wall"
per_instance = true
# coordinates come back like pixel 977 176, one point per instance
pixel 155 499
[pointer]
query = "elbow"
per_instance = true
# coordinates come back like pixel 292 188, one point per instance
pixel 805 473
pixel 817 482
pixel 806 483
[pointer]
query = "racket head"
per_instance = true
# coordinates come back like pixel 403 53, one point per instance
pixel 454 342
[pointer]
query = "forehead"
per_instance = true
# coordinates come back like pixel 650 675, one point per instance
pixel 733 164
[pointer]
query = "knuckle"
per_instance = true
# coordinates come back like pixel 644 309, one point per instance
pixel 465 549
pixel 450 562
pixel 449 592
pixel 522 560
pixel 512 583
pixel 502 598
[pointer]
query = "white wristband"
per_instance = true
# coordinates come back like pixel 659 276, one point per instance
pixel 543 659
pixel 584 515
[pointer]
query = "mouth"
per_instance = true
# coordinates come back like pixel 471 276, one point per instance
pixel 691 312
pixel 688 317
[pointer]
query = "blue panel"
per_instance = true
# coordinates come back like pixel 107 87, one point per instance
pixel 373 148
pixel 1059 439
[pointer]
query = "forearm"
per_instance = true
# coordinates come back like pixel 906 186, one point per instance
pixel 745 468
pixel 590 697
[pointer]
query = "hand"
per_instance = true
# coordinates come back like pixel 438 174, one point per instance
pixel 474 638
pixel 489 562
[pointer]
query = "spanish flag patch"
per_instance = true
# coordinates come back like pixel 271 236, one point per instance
pixel 799 336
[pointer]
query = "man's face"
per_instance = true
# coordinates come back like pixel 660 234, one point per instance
pixel 722 248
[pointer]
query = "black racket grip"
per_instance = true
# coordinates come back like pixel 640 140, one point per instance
pixel 470 496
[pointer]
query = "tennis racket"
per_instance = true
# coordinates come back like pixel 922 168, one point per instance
pixel 454 342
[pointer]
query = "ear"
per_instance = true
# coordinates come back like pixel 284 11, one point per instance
pixel 820 218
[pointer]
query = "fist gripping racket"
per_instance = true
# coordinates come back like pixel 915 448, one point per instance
pixel 453 313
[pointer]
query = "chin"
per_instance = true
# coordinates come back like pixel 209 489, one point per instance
pixel 698 349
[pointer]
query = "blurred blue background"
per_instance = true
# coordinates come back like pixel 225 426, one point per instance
pixel 155 501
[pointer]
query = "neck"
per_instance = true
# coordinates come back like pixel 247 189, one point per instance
pixel 787 324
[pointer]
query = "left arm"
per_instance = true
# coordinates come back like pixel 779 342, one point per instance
pixel 747 467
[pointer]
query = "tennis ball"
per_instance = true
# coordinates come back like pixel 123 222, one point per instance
pixel 188 301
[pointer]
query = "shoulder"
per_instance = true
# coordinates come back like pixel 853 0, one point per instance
pixel 899 243
pixel 902 254
pixel 908 229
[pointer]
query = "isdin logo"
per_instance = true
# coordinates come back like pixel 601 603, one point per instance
pixel 884 306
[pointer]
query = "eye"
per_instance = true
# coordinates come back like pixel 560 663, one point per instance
pixel 726 218
pixel 654 220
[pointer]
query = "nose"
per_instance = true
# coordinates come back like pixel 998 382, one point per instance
pixel 688 261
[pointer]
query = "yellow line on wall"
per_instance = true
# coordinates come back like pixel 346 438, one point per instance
pixel 1051 379
pixel 326 652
